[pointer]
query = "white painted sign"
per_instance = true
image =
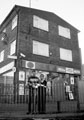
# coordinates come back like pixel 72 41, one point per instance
pixel 69 70
pixel 76 71
pixel 21 75
pixel 12 57
pixel 61 69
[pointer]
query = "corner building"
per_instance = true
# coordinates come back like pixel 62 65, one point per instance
pixel 40 40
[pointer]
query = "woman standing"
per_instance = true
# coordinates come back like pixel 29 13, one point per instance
pixel 42 95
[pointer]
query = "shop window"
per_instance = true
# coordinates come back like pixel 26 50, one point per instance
pixel 14 22
pixel 65 54
pixel 40 48
pixel 65 32
pixel 40 23
pixel 2 56
pixel 13 47
pixel 8 78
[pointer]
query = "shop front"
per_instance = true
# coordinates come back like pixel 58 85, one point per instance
pixel 60 86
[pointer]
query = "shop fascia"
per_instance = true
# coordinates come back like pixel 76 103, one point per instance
pixel 49 67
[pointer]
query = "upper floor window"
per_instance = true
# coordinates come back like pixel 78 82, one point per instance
pixel 65 32
pixel 2 56
pixel 65 54
pixel 13 47
pixel 40 48
pixel 14 22
pixel 2 37
pixel 40 23
pixel 4 30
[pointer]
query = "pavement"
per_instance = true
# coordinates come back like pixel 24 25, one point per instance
pixel 21 115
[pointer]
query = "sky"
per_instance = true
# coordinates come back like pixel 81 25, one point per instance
pixel 71 11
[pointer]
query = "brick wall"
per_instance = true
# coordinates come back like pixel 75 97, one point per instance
pixel 27 33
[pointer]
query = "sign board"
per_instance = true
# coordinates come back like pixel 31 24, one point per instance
pixel 21 75
pixel 61 69
pixel 76 71
pixel 69 70
pixel 12 57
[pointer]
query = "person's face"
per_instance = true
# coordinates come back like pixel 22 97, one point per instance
pixel 41 77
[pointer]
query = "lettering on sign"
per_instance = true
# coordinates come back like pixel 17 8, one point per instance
pixel 69 70
pixel 76 71
pixel 61 69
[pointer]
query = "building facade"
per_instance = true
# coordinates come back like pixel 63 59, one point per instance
pixel 38 40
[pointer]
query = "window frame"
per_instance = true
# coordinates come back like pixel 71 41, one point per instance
pixel 66 55
pixel 38 23
pixel 14 21
pixel 64 32
pixel 13 47
pixel 38 51
pixel 2 56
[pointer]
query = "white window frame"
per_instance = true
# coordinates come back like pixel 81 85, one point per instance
pixel 64 32
pixel 40 48
pixel 13 47
pixel 66 54
pixel 2 56
pixel 14 22
pixel 40 23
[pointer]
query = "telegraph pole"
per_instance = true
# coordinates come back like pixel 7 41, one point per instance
pixel 30 3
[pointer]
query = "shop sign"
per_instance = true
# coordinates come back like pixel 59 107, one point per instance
pixel 69 70
pixel 61 69
pixel 21 89
pixel 76 71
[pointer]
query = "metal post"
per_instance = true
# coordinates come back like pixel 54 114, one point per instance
pixel 30 3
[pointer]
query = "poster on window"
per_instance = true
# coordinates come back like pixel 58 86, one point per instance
pixel 67 88
pixel 21 75
pixel 71 97
pixel 72 80
pixel 21 89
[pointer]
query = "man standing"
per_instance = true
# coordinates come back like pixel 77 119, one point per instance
pixel 32 83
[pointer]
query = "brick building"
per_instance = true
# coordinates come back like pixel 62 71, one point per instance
pixel 35 39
